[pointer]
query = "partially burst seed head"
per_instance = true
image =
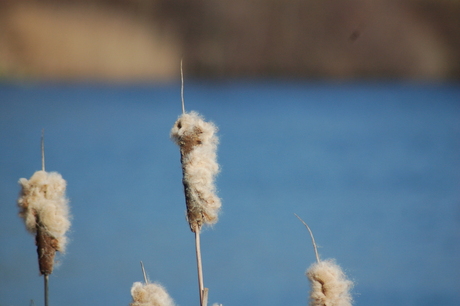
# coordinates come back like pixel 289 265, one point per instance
pixel 42 202
pixel 150 295
pixel 329 285
pixel 198 145
pixel 44 208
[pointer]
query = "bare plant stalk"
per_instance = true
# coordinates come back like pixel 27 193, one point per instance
pixel 312 238
pixel 143 272
pixel 182 87
pixel 39 236
pixel 43 149
pixel 199 267
pixel 45 276
pixel 205 296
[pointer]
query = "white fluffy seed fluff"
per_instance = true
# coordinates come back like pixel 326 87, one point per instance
pixel 150 295
pixel 42 202
pixel 198 145
pixel 329 285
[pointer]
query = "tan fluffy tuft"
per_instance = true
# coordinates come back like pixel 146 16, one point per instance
pixel 150 295
pixel 43 204
pixel 329 285
pixel 198 145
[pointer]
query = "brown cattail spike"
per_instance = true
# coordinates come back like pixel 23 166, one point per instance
pixel 46 250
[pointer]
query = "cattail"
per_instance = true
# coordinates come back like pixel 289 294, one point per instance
pixel 44 208
pixel 197 141
pixel 329 285
pixel 198 144
pixel 150 294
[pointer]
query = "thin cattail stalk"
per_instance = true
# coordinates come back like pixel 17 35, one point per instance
pixel 199 267
pixel 143 272
pixel 45 276
pixel 182 87
pixel 39 232
pixel 205 296
pixel 43 149
pixel 198 144
pixel 312 237
pixel 44 208
pixel 329 284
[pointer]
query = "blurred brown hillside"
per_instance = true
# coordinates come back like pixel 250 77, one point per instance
pixel 141 40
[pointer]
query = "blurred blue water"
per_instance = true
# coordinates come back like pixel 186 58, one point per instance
pixel 374 168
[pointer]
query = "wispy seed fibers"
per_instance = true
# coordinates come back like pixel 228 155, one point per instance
pixel 329 285
pixel 44 208
pixel 198 145
pixel 152 294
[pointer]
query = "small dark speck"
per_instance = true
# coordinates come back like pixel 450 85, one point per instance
pixel 354 35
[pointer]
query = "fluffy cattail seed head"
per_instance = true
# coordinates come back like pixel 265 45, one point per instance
pixel 198 144
pixel 44 208
pixel 329 285
pixel 150 295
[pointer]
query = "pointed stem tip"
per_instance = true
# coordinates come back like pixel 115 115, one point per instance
pixel 43 149
pixel 143 272
pixel 182 86
pixel 312 237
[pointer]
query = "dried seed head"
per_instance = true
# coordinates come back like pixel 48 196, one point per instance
pixel 329 285
pixel 198 144
pixel 150 295
pixel 44 208
pixel 46 250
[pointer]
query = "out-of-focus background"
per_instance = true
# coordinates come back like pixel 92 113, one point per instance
pixel 134 40
pixel 373 168
pixel 344 112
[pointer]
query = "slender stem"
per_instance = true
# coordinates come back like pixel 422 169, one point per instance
pixel 205 296
pixel 43 149
pixel 45 276
pixel 199 266
pixel 312 238
pixel 145 275
pixel 182 87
